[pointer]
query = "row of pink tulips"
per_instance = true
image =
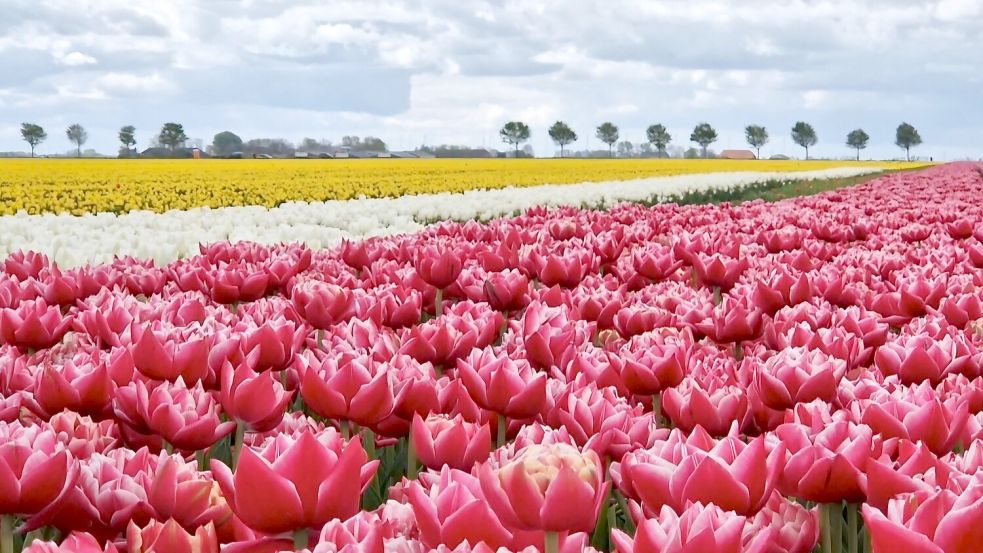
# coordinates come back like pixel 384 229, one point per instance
pixel 754 378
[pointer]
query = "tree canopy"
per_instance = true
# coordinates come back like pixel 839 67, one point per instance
pixel 515 133
pixel 32 134
pixel 857 139
pixel 608 133
pixel 172 135
pixel 804 135
pixel 907 137
pixel 704 135
pixel 562 134
pixel 756 136
pixel 658 136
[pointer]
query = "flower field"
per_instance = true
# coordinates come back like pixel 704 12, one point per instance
pixel 72 240
pixel 119 186
pixel 755 378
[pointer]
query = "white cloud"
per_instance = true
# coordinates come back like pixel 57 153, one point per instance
pixel 447 71
pixel 76 58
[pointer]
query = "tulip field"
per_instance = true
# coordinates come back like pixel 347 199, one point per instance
pixel 788 377
pixel 82 186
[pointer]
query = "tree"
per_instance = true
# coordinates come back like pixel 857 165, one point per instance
pixel 76 133
pixel 127 137
pixel 607 133
pixel 804 135
pixel 659 137
pixel 704 135
pixel 226 143
pixel 515 133
pixel 907 137
pixel 32 134
pixel 626 149
pixel 562 134
pixel 756 136
pixel 172 135
pixel 857 139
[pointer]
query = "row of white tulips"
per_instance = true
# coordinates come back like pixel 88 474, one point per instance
pixel 96 238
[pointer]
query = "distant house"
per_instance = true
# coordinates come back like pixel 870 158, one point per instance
pixel 780 157
pixel 403 155
pixel 737 154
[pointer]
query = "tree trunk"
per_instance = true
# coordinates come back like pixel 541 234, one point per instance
pixel 610 150
pixel 858 154
pixel 561 151
pixel 757 153
pixel 78 150
pixel 32 150
pixel 704 152
pixel 907 153
pixel 807 152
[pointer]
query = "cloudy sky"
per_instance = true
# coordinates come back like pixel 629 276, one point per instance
pixel 453 71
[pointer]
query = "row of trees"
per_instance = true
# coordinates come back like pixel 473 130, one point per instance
pixel 803 134
pixel 171 135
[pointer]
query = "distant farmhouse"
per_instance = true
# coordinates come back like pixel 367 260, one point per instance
pixel 737 154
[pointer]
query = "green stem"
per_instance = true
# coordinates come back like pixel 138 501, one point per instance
pixel 657 407
pixel 320 338
pixel 368 439
pixel 412 467
pixel 623 504
pixel 439 303
pixel 717 296
pixel 237 443
pixel 738 351
pixel 502 426
pixel 200 458
pixel 852 530
pixel 836 526
pixel 824 536
pixel 6 533
pixel 302 538
pixel 346 431
pixel 168 447
pixel 552 543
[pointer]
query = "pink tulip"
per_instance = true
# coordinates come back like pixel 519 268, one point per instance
pixel 33 479
pixel 187 418
pixel 710 401
pixel 453 510
pixel 921 358
pixel 438 267
pixel 161 355
pixel 297 484
pixel 827 467
pixel 348 389
pixel 928 522
pixel 74 543
pixel 554 488
pixel 33 325
pixel 257 401
pixel 798 375
pixel 82 384
pixel 506 386
pixel 700 528
pixel 170 537
pixel 323 305
pixel 732 475
pixel 940 425
pixel 507 291
pixel 440 440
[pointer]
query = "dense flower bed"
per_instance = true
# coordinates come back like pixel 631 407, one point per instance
pixel 707 378
pixel 97 238
pixel 83 186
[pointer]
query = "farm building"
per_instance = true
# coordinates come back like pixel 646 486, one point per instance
pixel 737 154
